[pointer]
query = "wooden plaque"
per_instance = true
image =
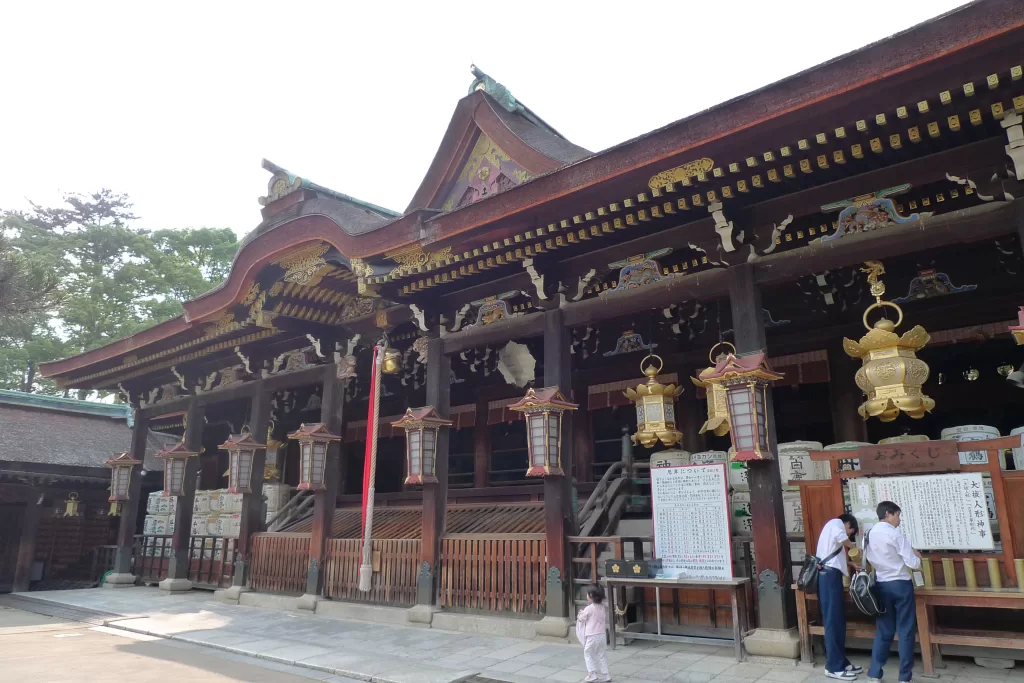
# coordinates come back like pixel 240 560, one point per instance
pixel 922 457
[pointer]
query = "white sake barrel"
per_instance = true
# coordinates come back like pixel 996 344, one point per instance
pixel 232 502
pixel 795 463
pixel 276 495
pixel 738 477
pixel 851 464
pixel 793 510
pixel 170 528
pixel 670 458
pixel 153 502
pixel 232 525
pixel 739 506
pixel 1018 452
pixel 201 503
pixel 903 438
pixel 148 524
pixel 971 433
pixel 199 524
pixel 797 552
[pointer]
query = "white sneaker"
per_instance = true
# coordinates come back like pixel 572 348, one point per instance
pixel 874 680
pixel 841 675
pixel 854 669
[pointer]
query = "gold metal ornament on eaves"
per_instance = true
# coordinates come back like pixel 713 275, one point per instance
pixel 655 407
pixel 718 405
pixel 891 375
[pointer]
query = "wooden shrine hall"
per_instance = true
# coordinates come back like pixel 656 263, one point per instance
pixel 529 278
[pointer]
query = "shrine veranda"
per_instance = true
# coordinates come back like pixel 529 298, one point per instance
pixel 525 261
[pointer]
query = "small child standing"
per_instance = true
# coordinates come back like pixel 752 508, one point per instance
pixel 591 625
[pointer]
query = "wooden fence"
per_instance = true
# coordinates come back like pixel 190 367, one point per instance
pixel 493 572
pixel 395 564
pixel 279 562
pixel 152 558
pixel 211 561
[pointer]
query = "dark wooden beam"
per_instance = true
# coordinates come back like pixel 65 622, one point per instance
pixel 178 566
pixel 27 544
pixel 128 522
pixel 325 500
pixel 435 495
pixel 531 325
pixel 252 519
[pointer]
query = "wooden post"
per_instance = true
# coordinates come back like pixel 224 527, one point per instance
pixel 178 566
pixel 129 521
pixel 252 519
pixel 325 500
pixel 435 496
pixel 844 395
pixel 776 608
pixel 27 544
pixel 582 435
pixel 481 446
pixel 558 521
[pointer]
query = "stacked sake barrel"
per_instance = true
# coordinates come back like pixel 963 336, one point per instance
pixel 217 513
pixel 160 510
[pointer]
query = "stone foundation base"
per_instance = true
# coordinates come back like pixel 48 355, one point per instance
pixel 176 585
pixel 553 627
pixel 307 602
pixel 995 663
pixel 119 581
pixel 230 595
pixel 766 642
pixel 422 614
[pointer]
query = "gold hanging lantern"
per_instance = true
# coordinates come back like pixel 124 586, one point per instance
pixel 71 506
pixel 718 405
pixel 392 361
pixel 655 407
pixel 892 374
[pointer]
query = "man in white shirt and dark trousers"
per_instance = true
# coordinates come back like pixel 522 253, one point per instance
pixel 832 545
pixel 890 554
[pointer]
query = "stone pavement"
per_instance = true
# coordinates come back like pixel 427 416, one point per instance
pixel 387 653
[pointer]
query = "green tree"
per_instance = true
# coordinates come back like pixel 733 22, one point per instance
pixel 114 279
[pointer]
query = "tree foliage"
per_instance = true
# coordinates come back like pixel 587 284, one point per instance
pixel 111 279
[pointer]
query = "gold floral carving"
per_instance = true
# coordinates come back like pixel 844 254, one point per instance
pixel 254 292
pixel 413 257
pixel 301 266
pixel 483 150
pixel 691 169
pixel 281 184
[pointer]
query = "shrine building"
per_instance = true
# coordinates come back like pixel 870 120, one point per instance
pixel 886 184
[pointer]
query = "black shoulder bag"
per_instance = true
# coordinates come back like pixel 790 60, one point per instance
pixel 808 579
pixel 862 587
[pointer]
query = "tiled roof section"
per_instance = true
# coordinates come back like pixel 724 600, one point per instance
pixel 68 405
pixel 544 140
pixel 34 435
pixel 405 522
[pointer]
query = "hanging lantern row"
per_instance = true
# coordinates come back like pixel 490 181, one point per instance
pixel 71 506
pixel 745 379
pixel 175 460
pixel 421 426
pixel 543 410
pixel 121 466
pixel 241 450
pixel 891 375
pixel 314 440
pixel 655 407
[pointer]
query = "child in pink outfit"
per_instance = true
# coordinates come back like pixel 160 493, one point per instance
pixel 591 625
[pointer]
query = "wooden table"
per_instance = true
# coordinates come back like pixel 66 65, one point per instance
pixel 736 587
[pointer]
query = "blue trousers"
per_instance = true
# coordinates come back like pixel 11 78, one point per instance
pixel 900 618
pixel 833 617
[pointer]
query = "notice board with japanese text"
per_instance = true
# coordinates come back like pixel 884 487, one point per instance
pixel 691 522
pixel 940 511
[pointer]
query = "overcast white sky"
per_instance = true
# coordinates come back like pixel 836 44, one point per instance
pixel 175 103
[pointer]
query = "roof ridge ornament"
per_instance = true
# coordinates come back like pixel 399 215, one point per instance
pixel 497 91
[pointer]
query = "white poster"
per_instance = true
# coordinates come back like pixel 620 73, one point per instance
pixel 691 522
pixel 940 511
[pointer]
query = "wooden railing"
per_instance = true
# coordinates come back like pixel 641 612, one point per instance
pixel 211 561
pixel 279 562
pixel 102 561
pixel 499 573
pixel 395 564
pixel 153 558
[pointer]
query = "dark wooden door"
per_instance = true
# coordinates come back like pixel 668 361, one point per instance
pixel 11 517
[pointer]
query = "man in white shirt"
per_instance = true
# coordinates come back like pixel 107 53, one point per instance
pixel 890 554
pixel 832 544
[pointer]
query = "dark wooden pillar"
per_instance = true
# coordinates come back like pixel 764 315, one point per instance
pixel 252 519
pixel 128 523
pixel 844 395
pixel 27 544
pixel 435 496
pixel 776 607
pixel 177 571
pixel 582 435
pixel 691 414
pixel 481 446
pixel 325 501
pixel 558 520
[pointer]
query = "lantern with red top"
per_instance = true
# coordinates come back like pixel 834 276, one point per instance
pixel 543 409
pixel 746 379
pixel 314 440
pixel 421 427
pixel 241 450
pixel 175 460
pixel 120 480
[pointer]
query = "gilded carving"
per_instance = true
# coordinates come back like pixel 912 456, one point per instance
pixel 281 184
pixel 302 266
pixel 691 169
pixel 412 257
